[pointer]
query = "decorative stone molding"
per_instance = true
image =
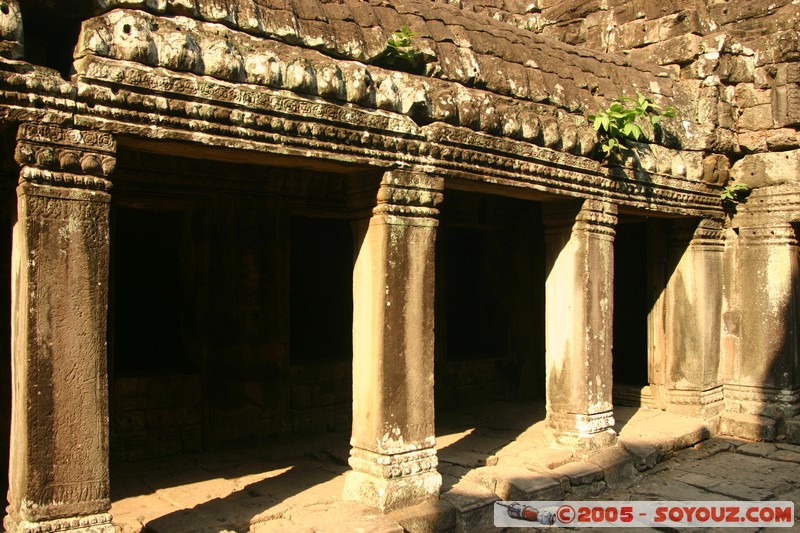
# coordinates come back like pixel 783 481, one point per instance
pixel 99 523
pixel 409 194
pixel 709 234
pixel 597 217
pixel 775 234
pixel 65 157
pixel 395 465
pixel 711 396
pixel 216 112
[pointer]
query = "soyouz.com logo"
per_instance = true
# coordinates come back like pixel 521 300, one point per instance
pixel 644 514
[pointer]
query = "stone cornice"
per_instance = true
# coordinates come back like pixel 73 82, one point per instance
pixel 130 98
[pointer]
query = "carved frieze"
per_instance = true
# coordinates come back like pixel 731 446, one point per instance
pixel 240 115
pixel 65 157
pixel 98 523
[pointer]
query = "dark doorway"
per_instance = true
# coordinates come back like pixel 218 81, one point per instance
pixel 631 307
pixel 490 300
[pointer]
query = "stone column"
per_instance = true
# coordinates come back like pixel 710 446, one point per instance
pixel 579 314
pixel 393 456
pixel 58 470
pixel 765 378
pixel 693 318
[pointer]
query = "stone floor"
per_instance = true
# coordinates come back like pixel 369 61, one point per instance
pixel 486 453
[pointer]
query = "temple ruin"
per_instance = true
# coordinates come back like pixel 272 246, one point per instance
pixel 230 219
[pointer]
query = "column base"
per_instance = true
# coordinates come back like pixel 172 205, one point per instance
pixel 762 401
pixel 582 442
pixel 394 493
pixel 97 523
pixel 581 432
pixel 708 404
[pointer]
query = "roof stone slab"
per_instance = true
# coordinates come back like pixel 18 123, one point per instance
pixel 466 47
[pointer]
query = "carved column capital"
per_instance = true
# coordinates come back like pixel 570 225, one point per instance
pixel 597 217
pixel 409 194
pixel 51 155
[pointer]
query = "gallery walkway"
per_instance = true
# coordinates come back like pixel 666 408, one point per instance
pixel 294 484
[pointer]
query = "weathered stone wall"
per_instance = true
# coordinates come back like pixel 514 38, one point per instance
pixel 740 57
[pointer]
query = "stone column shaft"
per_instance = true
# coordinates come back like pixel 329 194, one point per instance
pixel 59 439
pixel 393 456
pixel 693 319
pixel 579 323
pixel 765 378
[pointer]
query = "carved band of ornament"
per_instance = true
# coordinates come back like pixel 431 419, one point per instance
pixel 706 397
pixel 597 217
pixel 496 157
pixel 393 466
pixel 98 523
pixel 64 159
pixel 580 423
pixel 52 135
pixel 93 209
pixel 454 136
pixel 761 394
pixel 193 95
pixel 710 233
pixel 410 194
pixel 773 235
pixel 62 179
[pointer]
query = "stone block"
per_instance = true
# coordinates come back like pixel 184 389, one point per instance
pixel 433 516
pixel 758 170
pixel 644 453
pixel 515 483
pixel 736 69
pixel 757 449
pixel 756 118
pixel 679 50
pixel 474 505
pixel 618 467
pixel 793 430
pixel 580 473
pixel 748 95
pixel 584 479
pixel 783 139
pixel 747 426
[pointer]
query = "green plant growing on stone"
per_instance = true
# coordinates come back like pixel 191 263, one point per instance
pixel 400 49
pixel 733 195
pixel 625 120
